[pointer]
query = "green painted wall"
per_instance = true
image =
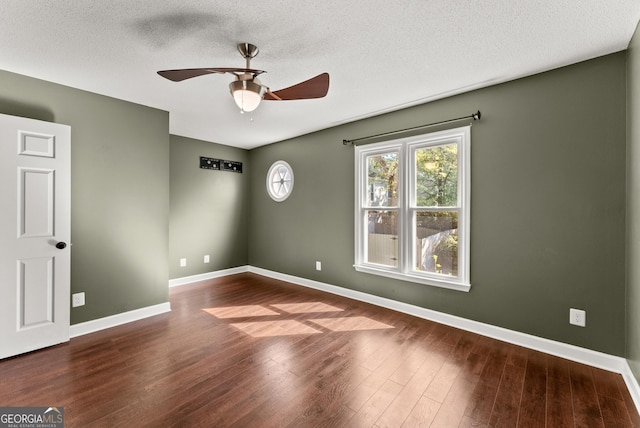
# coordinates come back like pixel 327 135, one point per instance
pixel 209 209
pixel 633 204
pixel 547 212
pixel 548 202
pixel 119 192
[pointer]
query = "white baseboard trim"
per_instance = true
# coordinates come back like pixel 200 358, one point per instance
pixel 632 385
pixel 204 276
pixel 118 319
pixel 570 352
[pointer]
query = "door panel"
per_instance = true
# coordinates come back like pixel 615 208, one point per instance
pixel 35 204
pixel 32 144
pixel 35 293
pixel 35 192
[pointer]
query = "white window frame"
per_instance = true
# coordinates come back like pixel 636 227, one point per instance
pixel 275 181
pixel 406 148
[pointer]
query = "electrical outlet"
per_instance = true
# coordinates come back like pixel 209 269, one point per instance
pixel 318 265
pixel 578 317
pixel 183 262
pixel 77 299
pixel 207 259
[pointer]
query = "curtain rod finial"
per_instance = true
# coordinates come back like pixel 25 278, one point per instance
pixel 346 142
pixel 477 115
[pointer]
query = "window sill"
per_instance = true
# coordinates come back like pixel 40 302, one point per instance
pixel 452 285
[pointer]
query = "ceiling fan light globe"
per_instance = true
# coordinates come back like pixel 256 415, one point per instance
pixel 246 100
pixel 247 94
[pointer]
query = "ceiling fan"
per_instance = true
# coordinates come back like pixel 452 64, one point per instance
pixel 247 90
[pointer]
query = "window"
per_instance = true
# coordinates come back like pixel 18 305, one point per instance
pixel 279 181
pixel 412 208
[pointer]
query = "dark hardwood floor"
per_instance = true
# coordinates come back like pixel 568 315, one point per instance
pixel 249 351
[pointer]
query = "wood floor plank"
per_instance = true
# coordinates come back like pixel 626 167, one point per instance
pixel 508 397
pixel 405 401
pixel 533 406
pixel 399 409
pixel 484 394
pixel 415 359
pixel 422 414
pixel 634 416
pixel 452 410
pixel 441 384
pixel 321 393
pixel 411 394
pixel 363 392
pixel 586 408
pixel 605 383
pixel 614 412
pixel 371 411
pixel 354 365
pixel 467 422
pixel 559 403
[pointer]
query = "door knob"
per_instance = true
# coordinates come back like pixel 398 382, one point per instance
pixel 61 245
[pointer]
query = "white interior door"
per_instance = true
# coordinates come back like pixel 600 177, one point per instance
pixel 35 228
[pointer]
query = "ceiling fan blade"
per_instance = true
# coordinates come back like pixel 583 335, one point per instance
pixel 188 73
pixel 316 87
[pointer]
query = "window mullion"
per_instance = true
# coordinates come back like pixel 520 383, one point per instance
pixel 409 210
pixel 403 242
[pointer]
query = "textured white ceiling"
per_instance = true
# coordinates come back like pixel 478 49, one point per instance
pixel 382 55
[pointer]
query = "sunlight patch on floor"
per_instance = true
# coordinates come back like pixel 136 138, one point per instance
pixel 274 328
pixel 350 324
pixel 306 308
pixel 289 327
pixel 240 311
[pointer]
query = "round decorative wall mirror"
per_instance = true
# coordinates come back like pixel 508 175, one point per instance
pixel 279 181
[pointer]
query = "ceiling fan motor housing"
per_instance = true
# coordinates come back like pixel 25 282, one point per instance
pixel 247 92
pixel 250 84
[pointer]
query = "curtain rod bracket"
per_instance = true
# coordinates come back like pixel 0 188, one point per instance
pixel 475 116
